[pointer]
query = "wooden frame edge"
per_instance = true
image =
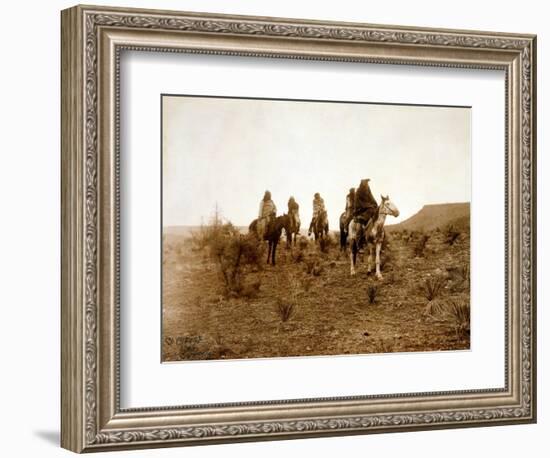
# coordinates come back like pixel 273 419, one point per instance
pixel 72 275
pixel 80 434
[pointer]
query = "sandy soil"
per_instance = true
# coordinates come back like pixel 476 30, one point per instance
pixel 331 311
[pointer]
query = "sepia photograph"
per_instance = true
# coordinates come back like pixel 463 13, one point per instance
pixel 301 228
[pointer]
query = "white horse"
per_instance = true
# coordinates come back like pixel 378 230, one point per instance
pixel 373 235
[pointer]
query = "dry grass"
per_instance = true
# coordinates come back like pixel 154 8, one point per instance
pixel 312 307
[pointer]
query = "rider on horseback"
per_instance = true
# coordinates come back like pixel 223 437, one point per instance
pixel 293 212
pixel 267 213
pixel 365 204
pixel 318 208
pixel 350 205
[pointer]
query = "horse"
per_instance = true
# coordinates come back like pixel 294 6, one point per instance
pixel 320 225
pixel 344 228
pixel 273 234
pixel 293 230
pixel 373 234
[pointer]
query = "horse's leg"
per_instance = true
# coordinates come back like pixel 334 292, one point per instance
pixel 369 259
pixel 273 252
pixel 343 240
pixel 378 248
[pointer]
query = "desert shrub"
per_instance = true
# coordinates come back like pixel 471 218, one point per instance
pixel 232 252
pixel 372 291
pixel 326 243
pixel 382 346
pixel 212 236
pixel 390 279
pixel 317 269
pixel 250 290
pixel 303 243
pixel 306 284
pixel 300 254
pixel 420 246
pixel 219 350
pixel 451 234
pixel 313 267
pixel 309 265
pixel 432 287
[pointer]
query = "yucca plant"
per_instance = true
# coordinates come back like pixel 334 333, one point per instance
pixel 372 291
pixel 459 314
pixel 452 234
pixel 432 287
pixel 285 310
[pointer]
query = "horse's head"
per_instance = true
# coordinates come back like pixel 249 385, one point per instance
pixel 387 207
pixel 284 221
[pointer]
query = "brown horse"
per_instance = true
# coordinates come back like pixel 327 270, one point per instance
pixel 273 234
pixel 293 230
pixel 320 225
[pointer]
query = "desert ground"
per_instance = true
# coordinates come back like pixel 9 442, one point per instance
pixel 219 306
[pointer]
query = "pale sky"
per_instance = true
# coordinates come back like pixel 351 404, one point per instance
pixel 229 151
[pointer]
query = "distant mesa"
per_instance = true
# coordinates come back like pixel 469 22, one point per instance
pixel 436 215
pixel 188 230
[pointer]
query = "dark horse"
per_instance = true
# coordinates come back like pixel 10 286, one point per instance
pixel 320 225
pixel 273 234
pixel 344 229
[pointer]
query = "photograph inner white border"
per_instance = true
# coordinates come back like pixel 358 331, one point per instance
pixel 145 382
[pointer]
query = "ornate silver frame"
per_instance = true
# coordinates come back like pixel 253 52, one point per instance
pixel 92 38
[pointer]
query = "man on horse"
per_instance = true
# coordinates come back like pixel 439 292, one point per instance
pixel 365 204
pixel 318 208
pixel 293 212
pixel 267 213
pixel 350 206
